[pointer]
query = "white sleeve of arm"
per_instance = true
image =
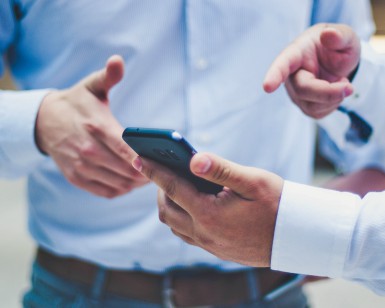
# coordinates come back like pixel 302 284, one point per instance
pixel 333 234
pixel 19 154
pixel 365 262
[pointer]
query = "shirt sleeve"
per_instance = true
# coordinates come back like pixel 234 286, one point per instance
pixel 18 110
pixel 365 260
pixel 333 234
pixel 18 151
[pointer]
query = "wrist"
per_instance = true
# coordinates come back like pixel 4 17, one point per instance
pixel 42 113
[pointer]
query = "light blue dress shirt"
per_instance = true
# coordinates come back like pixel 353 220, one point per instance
pixel 195 66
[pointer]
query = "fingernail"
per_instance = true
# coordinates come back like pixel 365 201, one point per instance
pixel 137 164
pixel 202 165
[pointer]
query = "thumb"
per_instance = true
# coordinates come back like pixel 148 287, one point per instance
pixel 100 83
pixel 245 181
pixel 342 49
pixel 339 38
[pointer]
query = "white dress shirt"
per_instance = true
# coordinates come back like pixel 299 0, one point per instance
pixel 194 66
pixel 336 234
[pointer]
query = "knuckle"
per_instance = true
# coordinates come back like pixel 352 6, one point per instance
pixel 310 109
pixel 207 217
pixel 169 204
pixel 185 238
pixel 124 185
pixel 327 100
pixel 72 176
pixel 316 116
pixel 93 128
pixel 203 239
pixel 334 97
pixel 88 149
pixel 110 194
pixel 149 172
pixel 319 115
pixel 162 215
pixel 170 189
pixel 79 167
pixel 123 149
pixel 260 184
pixel 162 206
pixel 105 191
pixel 123 189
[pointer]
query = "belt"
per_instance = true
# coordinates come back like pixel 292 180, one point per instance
pixel 189 287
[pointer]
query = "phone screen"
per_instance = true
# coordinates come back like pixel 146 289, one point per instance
pixel 169 148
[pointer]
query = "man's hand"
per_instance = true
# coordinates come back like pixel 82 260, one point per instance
pixel 359 182
pixel 77 129
pixel 237 224
pixel 315 68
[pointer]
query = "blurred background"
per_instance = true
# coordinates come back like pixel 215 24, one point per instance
pixel 17 248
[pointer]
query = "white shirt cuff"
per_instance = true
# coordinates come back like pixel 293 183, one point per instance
pixel 313 230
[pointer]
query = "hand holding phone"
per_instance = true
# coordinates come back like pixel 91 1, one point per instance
pixel 169 148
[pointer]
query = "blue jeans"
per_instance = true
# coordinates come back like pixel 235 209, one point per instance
pixel 48 290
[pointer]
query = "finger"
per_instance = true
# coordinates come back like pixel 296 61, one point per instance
pixel 339 38
pixel 309 88
pixel 341 49
pixel 175 187
pixel 244 181
pixel 173 215
pixel 316 110
pixel 94 187
pixel 185 238
pixel 100 82
pixel 110 137
pixel 289 61
pixel 101 155
pixel 90 172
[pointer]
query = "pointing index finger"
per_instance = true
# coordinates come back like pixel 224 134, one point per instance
pixel 288 61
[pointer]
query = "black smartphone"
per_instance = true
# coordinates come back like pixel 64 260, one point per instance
pixel 169 148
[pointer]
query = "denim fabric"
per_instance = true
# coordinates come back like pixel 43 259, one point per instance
pixel 49 290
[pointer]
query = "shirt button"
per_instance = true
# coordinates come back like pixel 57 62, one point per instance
pixel 201 64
